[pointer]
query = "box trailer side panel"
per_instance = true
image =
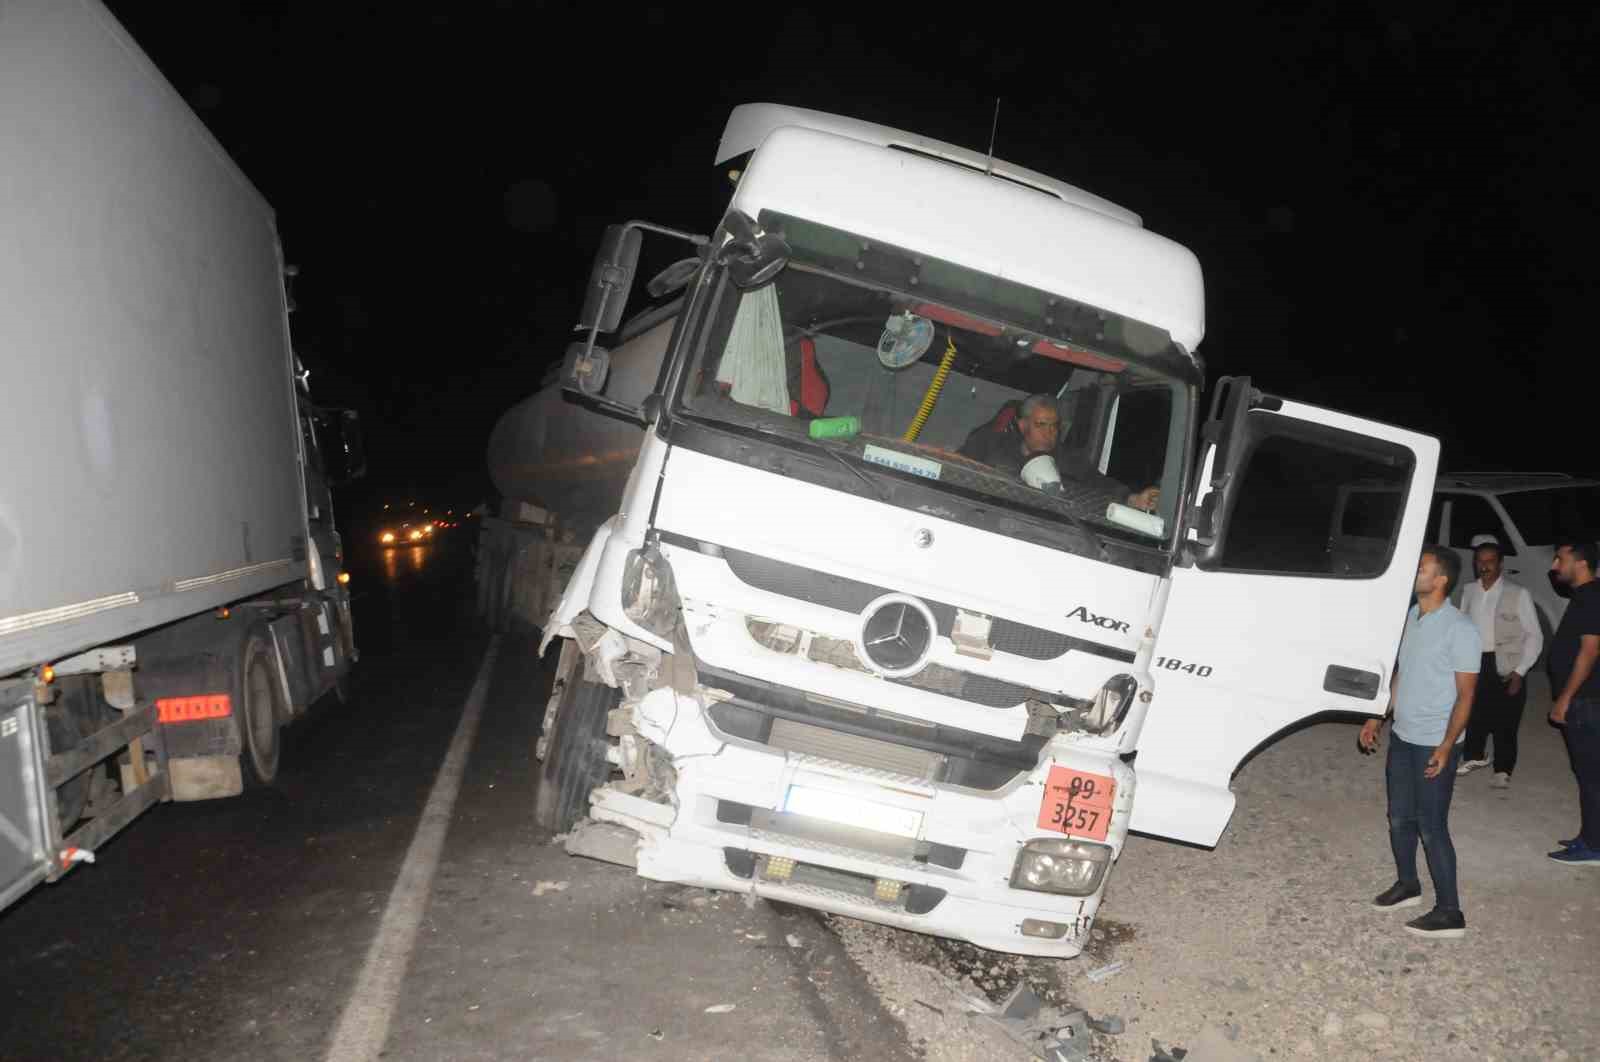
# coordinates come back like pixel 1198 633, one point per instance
pixel 152 449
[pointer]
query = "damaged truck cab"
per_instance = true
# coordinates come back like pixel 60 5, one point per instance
pixel 837 628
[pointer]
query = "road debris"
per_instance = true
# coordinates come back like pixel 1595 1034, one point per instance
pixel 1100 973
pixel 1021 1004
pixel 722 1008
pixel 793 941
pixel 550 886
pixel 1111 1025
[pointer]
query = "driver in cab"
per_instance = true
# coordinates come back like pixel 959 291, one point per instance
pixel 1037 433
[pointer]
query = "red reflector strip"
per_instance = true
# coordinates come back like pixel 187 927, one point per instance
pixel 189 709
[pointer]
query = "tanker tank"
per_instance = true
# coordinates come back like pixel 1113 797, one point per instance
pixel 554 452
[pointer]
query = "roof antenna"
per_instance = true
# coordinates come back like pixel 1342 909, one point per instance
pixel 993 129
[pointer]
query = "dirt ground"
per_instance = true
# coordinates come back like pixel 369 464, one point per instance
pixel 1266 948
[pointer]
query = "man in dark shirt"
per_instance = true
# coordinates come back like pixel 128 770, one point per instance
pixel 1575 684
pixel 1037 430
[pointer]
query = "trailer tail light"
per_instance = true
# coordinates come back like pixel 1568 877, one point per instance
pixel 191 709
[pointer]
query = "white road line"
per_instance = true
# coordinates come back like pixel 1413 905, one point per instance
pixel 364 1025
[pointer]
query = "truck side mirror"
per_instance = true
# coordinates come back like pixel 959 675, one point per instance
pixel 584 368
pixel 610 279
pixel 673 278
pixel 753 256
pixel 344 454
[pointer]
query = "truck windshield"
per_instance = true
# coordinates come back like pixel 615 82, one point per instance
pixel 907 366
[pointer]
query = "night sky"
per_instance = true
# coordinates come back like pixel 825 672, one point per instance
pixel 1391 209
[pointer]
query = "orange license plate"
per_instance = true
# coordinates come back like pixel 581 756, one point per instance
pixel 1077 803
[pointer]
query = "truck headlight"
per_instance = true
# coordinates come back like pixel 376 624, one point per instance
pixel 1111 704
pixel 649 594
pixel 1055 864
pixel 386 538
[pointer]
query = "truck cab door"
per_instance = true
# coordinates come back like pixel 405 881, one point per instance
pixel 1277 613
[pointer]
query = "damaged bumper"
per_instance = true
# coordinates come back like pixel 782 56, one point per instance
pixel 849 825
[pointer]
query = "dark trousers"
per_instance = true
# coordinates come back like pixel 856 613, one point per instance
pixel 1583 745
pixel 1496 714
pixel 1420 808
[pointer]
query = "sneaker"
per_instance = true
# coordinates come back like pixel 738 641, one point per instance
pixel 1501 780
pixel 1397 896
pixel 1570 841
pixel 1468 766
pixel 1579 855
pixel 1443 925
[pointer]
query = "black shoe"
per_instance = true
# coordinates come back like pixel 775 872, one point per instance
pixel 1445 925
pixel 1570 842
pixel 1397 896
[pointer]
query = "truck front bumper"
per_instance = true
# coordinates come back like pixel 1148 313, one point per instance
pixel 865 842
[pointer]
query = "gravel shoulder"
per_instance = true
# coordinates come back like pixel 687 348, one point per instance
pixel 1265 947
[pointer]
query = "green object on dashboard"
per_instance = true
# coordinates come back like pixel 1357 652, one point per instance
pixel 834 427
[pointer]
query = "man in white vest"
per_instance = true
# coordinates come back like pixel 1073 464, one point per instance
pixel 1508 627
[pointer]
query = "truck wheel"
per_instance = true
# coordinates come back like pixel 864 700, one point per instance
pixel 259 709
pixel 575 754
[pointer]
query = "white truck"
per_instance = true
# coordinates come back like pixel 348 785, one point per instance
pixel 812 649
pixel 171 583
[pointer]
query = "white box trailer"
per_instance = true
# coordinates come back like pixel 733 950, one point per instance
pixel 829 640
pixel 162 459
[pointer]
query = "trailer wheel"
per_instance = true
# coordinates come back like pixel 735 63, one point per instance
pixel 575 753
pixel 259 710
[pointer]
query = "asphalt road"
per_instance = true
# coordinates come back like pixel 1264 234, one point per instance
pixel 271 925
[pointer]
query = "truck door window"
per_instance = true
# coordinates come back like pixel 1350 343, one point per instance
pixel 1471 515
pixel 1290 494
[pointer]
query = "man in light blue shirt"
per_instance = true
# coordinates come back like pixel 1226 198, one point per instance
pixel 1430 701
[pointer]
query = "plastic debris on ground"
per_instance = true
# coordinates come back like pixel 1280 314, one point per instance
pixel 1100 973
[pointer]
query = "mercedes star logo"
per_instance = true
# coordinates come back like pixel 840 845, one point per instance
pixel 896 635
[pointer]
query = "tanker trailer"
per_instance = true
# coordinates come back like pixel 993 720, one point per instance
pixel 561 467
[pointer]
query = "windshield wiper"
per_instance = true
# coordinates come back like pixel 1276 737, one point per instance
pixel 875 488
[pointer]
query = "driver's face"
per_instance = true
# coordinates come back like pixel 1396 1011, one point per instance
pixel 1040 431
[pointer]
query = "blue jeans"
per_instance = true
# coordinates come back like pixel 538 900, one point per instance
pixel 1420 807
pixel 1583 745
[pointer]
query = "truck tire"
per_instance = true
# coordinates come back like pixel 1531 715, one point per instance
pixel 575 755
pixel 260 709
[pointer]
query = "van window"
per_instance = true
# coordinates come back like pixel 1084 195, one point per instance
pixel 1290 492
pixel 1544 517
pixel 1434 513
pixel 1471 515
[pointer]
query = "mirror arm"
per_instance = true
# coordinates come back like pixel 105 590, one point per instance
pixel 689 237
pixel 627 412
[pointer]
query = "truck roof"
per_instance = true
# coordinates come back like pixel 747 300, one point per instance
pixel 750 124
pixel 1088 252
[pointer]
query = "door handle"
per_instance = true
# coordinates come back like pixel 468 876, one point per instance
pixel 1351 682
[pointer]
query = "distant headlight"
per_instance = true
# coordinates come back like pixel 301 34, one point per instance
pixel 1052 864
pixel 386 537
pixel 416 536
pixel 427 529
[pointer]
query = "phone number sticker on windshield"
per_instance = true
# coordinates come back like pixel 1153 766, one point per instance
pixel 917 466
pixel 1077 803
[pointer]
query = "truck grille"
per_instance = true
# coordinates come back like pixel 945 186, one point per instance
pixel 792 736
pixel 850 595
pixel 935 678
